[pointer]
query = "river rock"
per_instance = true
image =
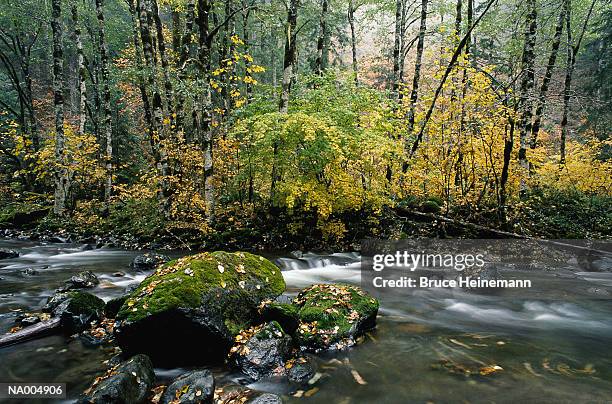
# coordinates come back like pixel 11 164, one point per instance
pixel 234 393
pixel 82 280
pixel 112 307
pixel 262 351
pixel 190 309
pixel 149 261
pixel 8 254
pixel 285 314
pixel 331 316
pixel 76 310
pixel 191 388
pixel 301 371
pixel 128 383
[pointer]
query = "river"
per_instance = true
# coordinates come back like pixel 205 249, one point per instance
pixel 429 345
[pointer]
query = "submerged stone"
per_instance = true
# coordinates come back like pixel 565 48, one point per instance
pixel 8 254
pixel 190 388
pixel 82 280
pixel 149 261
pixel 190 309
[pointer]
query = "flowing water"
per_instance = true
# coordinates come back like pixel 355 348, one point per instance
pixel 429 345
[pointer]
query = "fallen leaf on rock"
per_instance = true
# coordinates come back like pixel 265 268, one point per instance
pixel 157 394
pixel 488 370
pixel 299 394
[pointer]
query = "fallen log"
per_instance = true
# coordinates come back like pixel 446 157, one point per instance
pixel 38 330
pixel 444 219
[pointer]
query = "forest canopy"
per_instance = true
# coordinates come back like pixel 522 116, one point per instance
pixel 264 119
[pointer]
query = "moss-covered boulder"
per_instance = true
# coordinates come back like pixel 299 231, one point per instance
pixel 190 309
pixel 330 316
pixel 76 310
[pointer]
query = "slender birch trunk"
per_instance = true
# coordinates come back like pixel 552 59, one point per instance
pixel 62 175
pixel 106 102
pixel 320 64
pixel 81 70
pixel 414 93
pixel 351 19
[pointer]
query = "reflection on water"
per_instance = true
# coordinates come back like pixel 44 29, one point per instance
pixel 430 345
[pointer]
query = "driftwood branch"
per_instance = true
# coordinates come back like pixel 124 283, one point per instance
pixel 39 330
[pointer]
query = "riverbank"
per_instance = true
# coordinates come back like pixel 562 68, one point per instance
pixel 138 224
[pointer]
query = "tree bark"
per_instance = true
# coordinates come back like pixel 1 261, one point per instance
pixel 414 93
pixel 106 103
pixel 290 53
pixel 397 48
pixel 186 44
pixel 320 62
pixel 535 129
pixel 288 67
pixel 81 70
pixel 572 53
pixel 62 177
pixel 527 83
pixel 351 19
pixel 205 134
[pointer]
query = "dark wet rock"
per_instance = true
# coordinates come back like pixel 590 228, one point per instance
pixel 198 301
pixel 118 274
pixel 88 247
pixel 112 307
pixel 128 383
pixel 149 261
pixel 59 239
pixel 301 371
pixel 297 254
pixel 286 314
pixel 265 398
pixel 331 316
pixel 598 291
pixel 233 393
pixel 82 280
pixel 264 352
pixel 55 300
pixel 29 272
pixel 8 254
pixel 190 388
pixel 76 310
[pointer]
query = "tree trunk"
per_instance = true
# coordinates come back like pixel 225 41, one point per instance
pixel 414 93
pixel 351 19
pixel 320 62
pixel 290 53
pixel 527 83
pixel 106 103
pixel 288 73
pixel 547 76
pixel 62 177
pixel 81 71
pixel 185 53
pixel 205 135
pixel 572 53
pixel 176 31
pixel 161 47
pixel 397 48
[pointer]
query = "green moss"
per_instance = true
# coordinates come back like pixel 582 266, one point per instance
pixel 330 313
pixel 84 303
pixel 185 282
